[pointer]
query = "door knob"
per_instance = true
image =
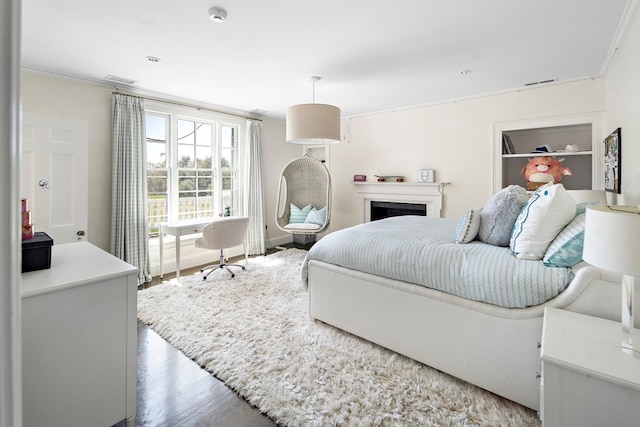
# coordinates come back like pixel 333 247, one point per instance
pixel 44 184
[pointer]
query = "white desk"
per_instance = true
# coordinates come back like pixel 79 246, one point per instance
pixel 177 229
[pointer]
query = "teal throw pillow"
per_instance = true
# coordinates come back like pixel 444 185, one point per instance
pixel 317 216
pixel 582 207
pixel 566 248
pixel 297 215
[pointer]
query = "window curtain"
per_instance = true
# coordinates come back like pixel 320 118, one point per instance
pixel 129 223
pixel 255 193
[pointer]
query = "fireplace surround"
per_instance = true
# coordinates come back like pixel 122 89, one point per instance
pixel 428 194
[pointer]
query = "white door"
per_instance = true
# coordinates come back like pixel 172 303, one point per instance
pixel 54 175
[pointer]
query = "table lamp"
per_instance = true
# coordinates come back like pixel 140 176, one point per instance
pixel 612 242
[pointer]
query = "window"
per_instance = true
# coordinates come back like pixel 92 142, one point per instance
pixel 192 165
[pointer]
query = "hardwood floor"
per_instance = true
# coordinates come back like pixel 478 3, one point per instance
pixel 174 391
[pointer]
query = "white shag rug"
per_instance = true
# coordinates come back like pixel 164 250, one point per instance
pixel 254 333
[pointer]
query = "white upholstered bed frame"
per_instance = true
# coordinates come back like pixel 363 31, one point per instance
pixel 492 347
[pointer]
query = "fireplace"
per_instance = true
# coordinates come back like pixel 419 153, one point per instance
pixel 380 210
pixel 427 197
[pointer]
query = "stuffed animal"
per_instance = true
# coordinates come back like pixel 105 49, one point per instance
pixel 540 170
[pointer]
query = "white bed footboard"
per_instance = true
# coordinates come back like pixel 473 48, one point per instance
pixel 492 347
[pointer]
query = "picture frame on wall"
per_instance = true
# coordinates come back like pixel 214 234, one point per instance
pixel 612 161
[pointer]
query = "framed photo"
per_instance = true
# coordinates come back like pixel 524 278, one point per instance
pixel 612 162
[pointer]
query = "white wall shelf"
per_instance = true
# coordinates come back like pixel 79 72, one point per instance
pixel 583 130
pixel 555 153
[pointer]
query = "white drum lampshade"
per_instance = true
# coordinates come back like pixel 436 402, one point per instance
pixel 612 242
pixel 313 124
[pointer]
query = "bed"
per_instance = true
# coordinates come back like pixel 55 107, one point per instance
pixel 484 328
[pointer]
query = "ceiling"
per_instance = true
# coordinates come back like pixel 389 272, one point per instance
pixel 372 55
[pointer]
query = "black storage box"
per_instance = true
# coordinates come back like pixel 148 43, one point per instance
pixel 36 252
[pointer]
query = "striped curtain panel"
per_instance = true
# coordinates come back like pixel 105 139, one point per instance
pixel 255 193
pixel 129 225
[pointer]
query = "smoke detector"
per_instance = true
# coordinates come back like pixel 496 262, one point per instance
pixel 217 14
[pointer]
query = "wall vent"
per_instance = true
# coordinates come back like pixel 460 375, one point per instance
pixel 121 80
pixel 540 82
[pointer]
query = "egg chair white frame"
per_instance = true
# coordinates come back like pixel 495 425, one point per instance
pixel 303 181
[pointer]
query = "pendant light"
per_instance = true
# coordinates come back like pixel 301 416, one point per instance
pixel 314 124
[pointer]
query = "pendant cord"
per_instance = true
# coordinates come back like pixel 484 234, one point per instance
pixel 313 97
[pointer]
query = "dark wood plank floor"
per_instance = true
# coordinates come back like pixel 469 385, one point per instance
pixel 174 391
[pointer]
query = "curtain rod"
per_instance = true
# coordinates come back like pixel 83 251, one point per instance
pixel 182 104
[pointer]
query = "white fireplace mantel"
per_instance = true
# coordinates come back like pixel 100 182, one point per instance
pixel 429 193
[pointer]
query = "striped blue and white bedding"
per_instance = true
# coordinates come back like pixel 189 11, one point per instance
pixel 421 250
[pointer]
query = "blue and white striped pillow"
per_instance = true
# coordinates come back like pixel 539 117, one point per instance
pixel 297 215
pixel 566 248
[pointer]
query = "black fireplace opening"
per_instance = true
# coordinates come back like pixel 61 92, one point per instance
pixel 380 210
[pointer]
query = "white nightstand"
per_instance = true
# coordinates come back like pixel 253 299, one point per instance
pixel 586 378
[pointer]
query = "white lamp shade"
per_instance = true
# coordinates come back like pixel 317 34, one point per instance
pixel 612 239
pixel 313 124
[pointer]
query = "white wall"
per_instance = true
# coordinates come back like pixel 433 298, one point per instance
pixel 69 98
pixel 276 154
pixel 74 99
pixel 455 139
pixel 623 108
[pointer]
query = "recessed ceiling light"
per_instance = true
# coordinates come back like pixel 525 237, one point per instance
pixel 467 71
pixel 153 59
pixel 217 14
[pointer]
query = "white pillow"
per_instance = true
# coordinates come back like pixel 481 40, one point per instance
pixel 546 213
pixel 468 227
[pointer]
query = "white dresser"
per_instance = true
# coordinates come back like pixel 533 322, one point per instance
pixel 79 338
pixel 586 378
